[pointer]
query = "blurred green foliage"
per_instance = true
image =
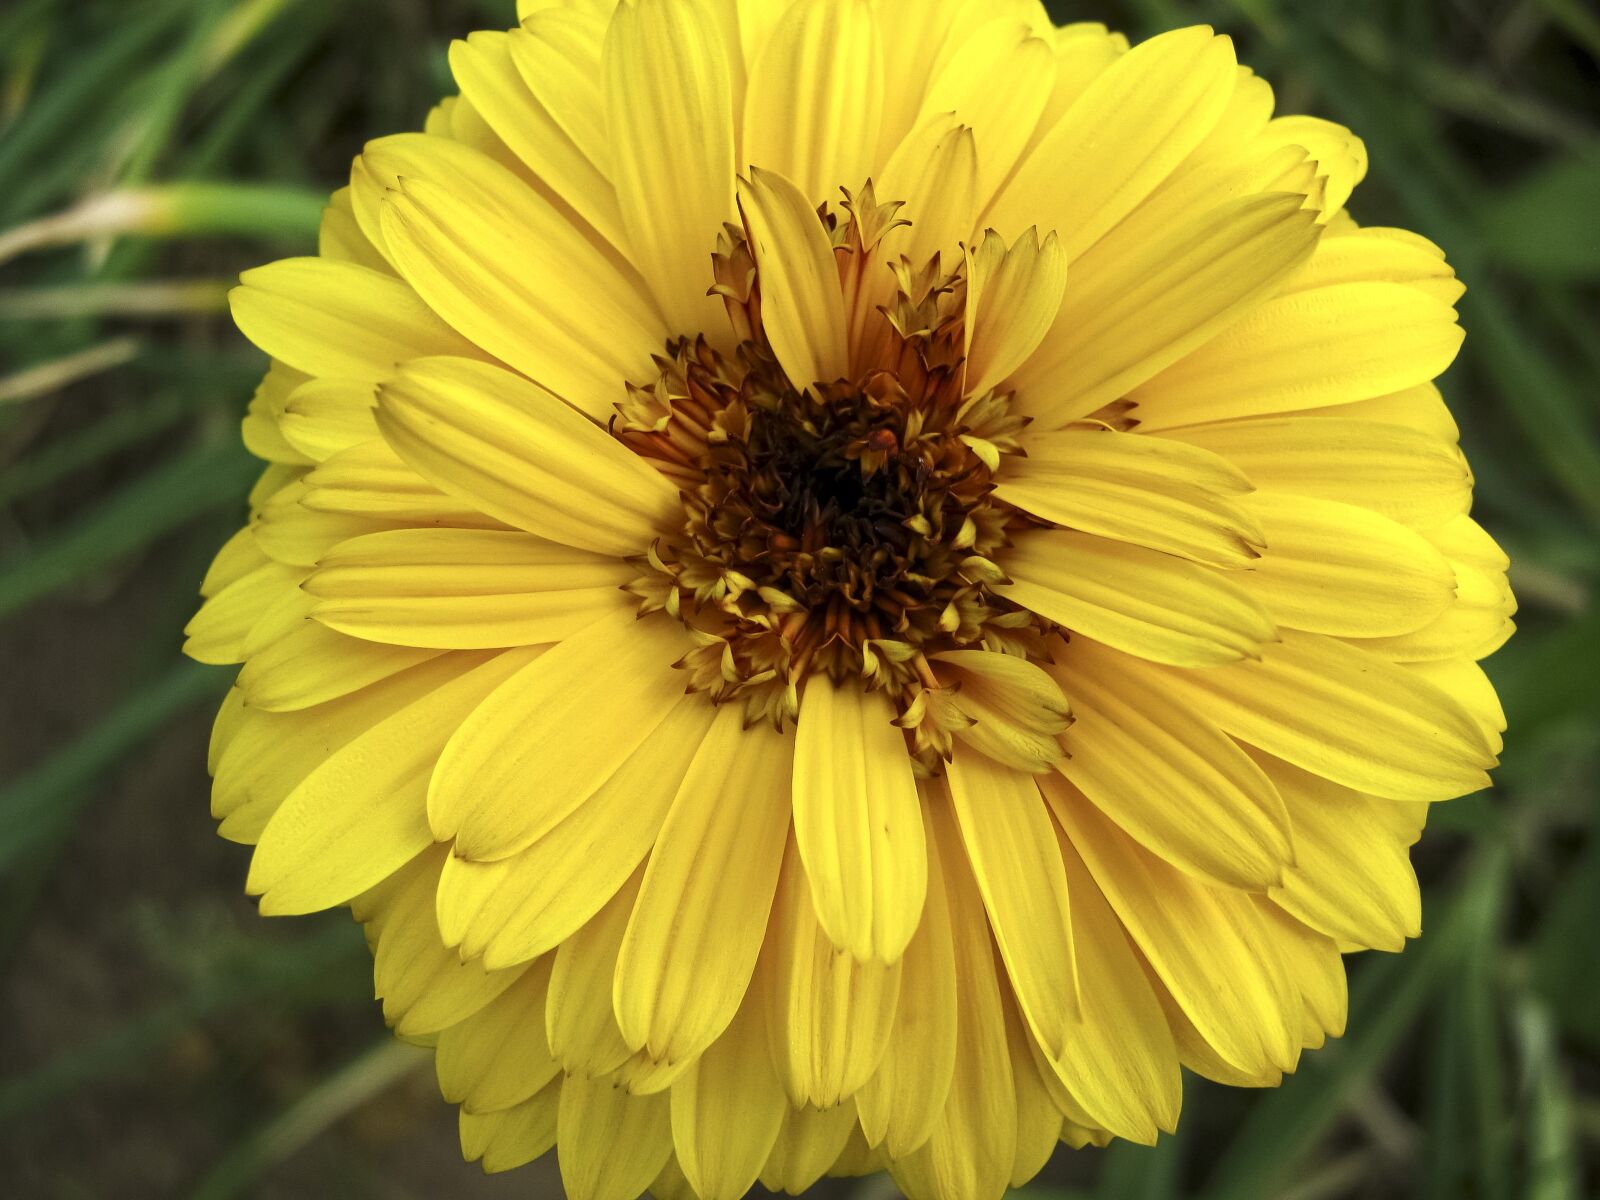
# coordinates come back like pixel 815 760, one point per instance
pixel 149 149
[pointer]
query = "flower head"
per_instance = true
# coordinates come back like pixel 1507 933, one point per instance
pixel 849 584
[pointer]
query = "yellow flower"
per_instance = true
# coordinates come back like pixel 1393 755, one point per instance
pixel 848 584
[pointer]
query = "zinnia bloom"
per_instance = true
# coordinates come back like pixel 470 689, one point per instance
pixel 850 584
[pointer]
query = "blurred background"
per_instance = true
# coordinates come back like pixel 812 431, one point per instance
pixel 157 1039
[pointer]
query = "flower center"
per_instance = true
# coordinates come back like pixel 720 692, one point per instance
pixel 849 527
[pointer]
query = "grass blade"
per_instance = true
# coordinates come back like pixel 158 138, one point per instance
pixel 338 1095
pixel 1389 996
pixel 324 967
pixel 195 482
pixel 48 799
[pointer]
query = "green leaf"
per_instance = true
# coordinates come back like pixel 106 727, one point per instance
pixel 1553 1159
pixel 1547 225
pixel 1567 948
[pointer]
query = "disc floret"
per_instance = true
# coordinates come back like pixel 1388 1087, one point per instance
pixel 847 527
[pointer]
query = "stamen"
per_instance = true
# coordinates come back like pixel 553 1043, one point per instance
pixel 850 528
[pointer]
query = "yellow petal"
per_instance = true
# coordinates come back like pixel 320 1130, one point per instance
pixel 238 557
pixel 293 533
pixel 513 273
pixel 668 86
pixel 486 69
pixel 551 735
pixel 1333 345
pixel 934 172
pixel 1245 118
pixel 499 1057
pixel 1148 491
pixel 1466 681
pixel 530 9
pixel 1078 1136
pixel 340 236
pixel 1038 1119
pixel 928 35
pixel 324 416
pixel 265 758
pixel 1016 709
pixel 1146 603
pixel 973 1145
pixel 1199 1056
pixel 1120 1066
pixel 901 1103
pixel 313 665
pixel 368 480
pixel 271 481
pixel 216 634
pixel 520 907
pixel 1141 305
pixel 671 1185
pixel 809 1143
pixel 424 986
pixel 1083 51
pixel 727 1110
pixel 1406 474
pixel 1013 295
pixel 283 617
pixel 1316 969
pixel 338 319
pixel 610 1144
pixel 1478 621
pixel 1421 408
pixel 579 1022
pixel 1336 568
pixel 1383 255
pixel 1463 540
pixel 1341 156
pixel 1196 194
pixel 1124 135
pixel 225 728
pixel 857 820
pixel 521 455
pixel 558 53
pixel 858 1159
pixel 1002 118
pixel 463 588
pixel 831 1014
pixel 362 813
pixel 801 304
pixel 1206 944
pixel 920 31
pixel 262 427
pixel 462 123
pixel 826 51
pixel 512 1137
pixel 1005 829
pixel 1344 714
pixel 1352 876
pixel 1169 777
pixel 697 929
